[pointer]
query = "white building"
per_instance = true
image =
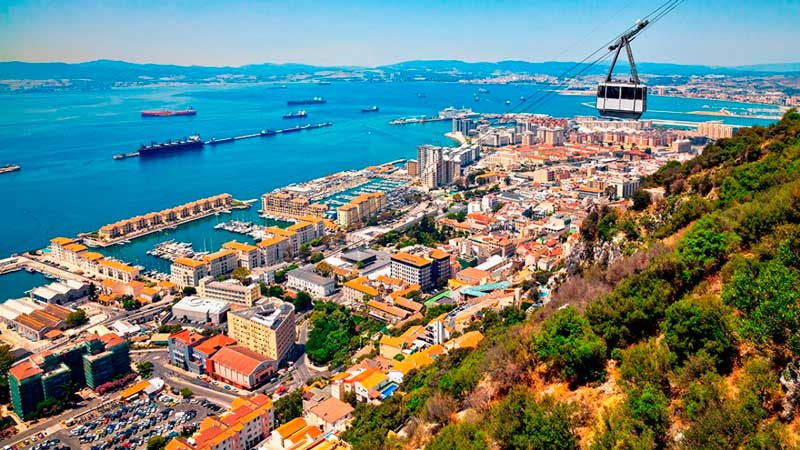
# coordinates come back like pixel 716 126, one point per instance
pixel 201 310
pixel 305 279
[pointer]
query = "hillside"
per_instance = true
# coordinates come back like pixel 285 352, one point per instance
pixel 691 341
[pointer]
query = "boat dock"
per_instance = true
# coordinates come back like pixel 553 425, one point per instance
pixel 265 133
pixel 262 133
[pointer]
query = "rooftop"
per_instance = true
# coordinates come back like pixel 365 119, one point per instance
pixel 183 261
pixel 201 304
pixel 309 276
pixel 25 369
pixel 408 258
pixel 239 359
pixel 271 314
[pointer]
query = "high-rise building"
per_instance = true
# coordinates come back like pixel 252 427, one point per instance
pixel 715 129
pixel 268 329
pixel 412 269
pixel 412 167
pixel 464 125
pixel 440 166
pixel 90 361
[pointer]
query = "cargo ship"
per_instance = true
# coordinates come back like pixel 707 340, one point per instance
pixel 309 101
pixel 373 108
pixel 169 113
pixel 192 142
pixel 9 168
pixel 295 115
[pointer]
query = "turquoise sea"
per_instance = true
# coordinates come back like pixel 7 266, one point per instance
pixel 69 183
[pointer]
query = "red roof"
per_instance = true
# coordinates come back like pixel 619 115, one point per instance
pixel 25 369
pixel 239 359
pixel 213 344
pixel 111 340
pixel 188 337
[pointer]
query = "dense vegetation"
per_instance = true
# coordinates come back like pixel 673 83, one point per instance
pixel 336 332
pixel 683 347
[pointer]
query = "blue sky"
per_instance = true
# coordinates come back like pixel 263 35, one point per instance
pixel 374 32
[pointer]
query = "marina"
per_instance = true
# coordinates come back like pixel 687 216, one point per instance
pixel 171 249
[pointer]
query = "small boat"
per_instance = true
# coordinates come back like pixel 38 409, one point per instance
pixel 421 95
pixel 508 102
pixel 483 91
pixel 295 115
pixel 373 108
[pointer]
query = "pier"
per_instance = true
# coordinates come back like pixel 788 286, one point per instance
pixel 262 133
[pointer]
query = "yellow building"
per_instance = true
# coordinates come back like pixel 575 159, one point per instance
pixel 268 329
pixel 360 209
pixel 221 262
pixel 289 205
pixel 273 250
pixel 187 272
pixel 248 255
pixel 117 270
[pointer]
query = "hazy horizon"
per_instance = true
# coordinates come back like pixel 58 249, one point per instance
pixel 365 34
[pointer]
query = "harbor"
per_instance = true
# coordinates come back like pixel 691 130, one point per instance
pixel 171 249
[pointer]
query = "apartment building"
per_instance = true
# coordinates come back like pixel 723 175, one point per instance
pixel 248 255
pixel 268 329
pixel 231 291
pixel 187 272
pixel 290 205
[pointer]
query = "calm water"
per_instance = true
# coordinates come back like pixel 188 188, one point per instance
pixel 69 183
pixel 14 284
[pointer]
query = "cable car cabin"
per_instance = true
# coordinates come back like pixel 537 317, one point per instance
pixel 621 100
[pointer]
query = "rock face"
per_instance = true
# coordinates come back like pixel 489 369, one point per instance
pixel 790 379
pixel 585 254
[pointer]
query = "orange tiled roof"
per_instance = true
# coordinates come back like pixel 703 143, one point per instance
pixel 239 359
pixel 239 246
pixel 214 343
pixel 118 265
pixel 25 369
pixel 188 262
pixel 61 240
pixel 411 259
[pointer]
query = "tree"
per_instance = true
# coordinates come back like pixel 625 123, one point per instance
pixel 699 325
pixel 145 369
pixel 156 443
pixel 570 348
pixel 241 274
pixel 316 257
pixel 461 436
pixel 188 290
pixel 302 301
pixel 77 317
pixel 186 393
pixel 641 199
pixel 6 360
pixel 324 269
pixel 289 407
pixel 519 422
pixel 130 303
pixel 92 293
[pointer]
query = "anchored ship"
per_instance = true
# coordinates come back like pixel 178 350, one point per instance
pixel 309 101
pixel 169 113
pixel 373 108
pixel 192 142
pixel 9 168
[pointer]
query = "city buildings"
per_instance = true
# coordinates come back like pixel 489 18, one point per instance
pixel 248 256
pixel 90 361
pixel 231 290
pixel 248 422
pixel 423 271
pixel 330 414
pixel 268 329
pixel 274 250
pixel 241 367
pixel 288 205
pixel 181 345
pixel 306 279
pixel 153 221
pixel 359 209
pixel 221 262
pixel 201 310
pixel 440 166
pixel 715 129
pixel 60 292
pixel 187 272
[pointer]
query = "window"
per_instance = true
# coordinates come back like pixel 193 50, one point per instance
pixel 641 93
pixel 601 91
pixel 612 91
pixel 629 93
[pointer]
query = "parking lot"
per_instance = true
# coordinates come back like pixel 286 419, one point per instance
pixel 119 426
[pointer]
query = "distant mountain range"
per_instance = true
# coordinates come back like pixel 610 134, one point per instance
pixel 109 71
